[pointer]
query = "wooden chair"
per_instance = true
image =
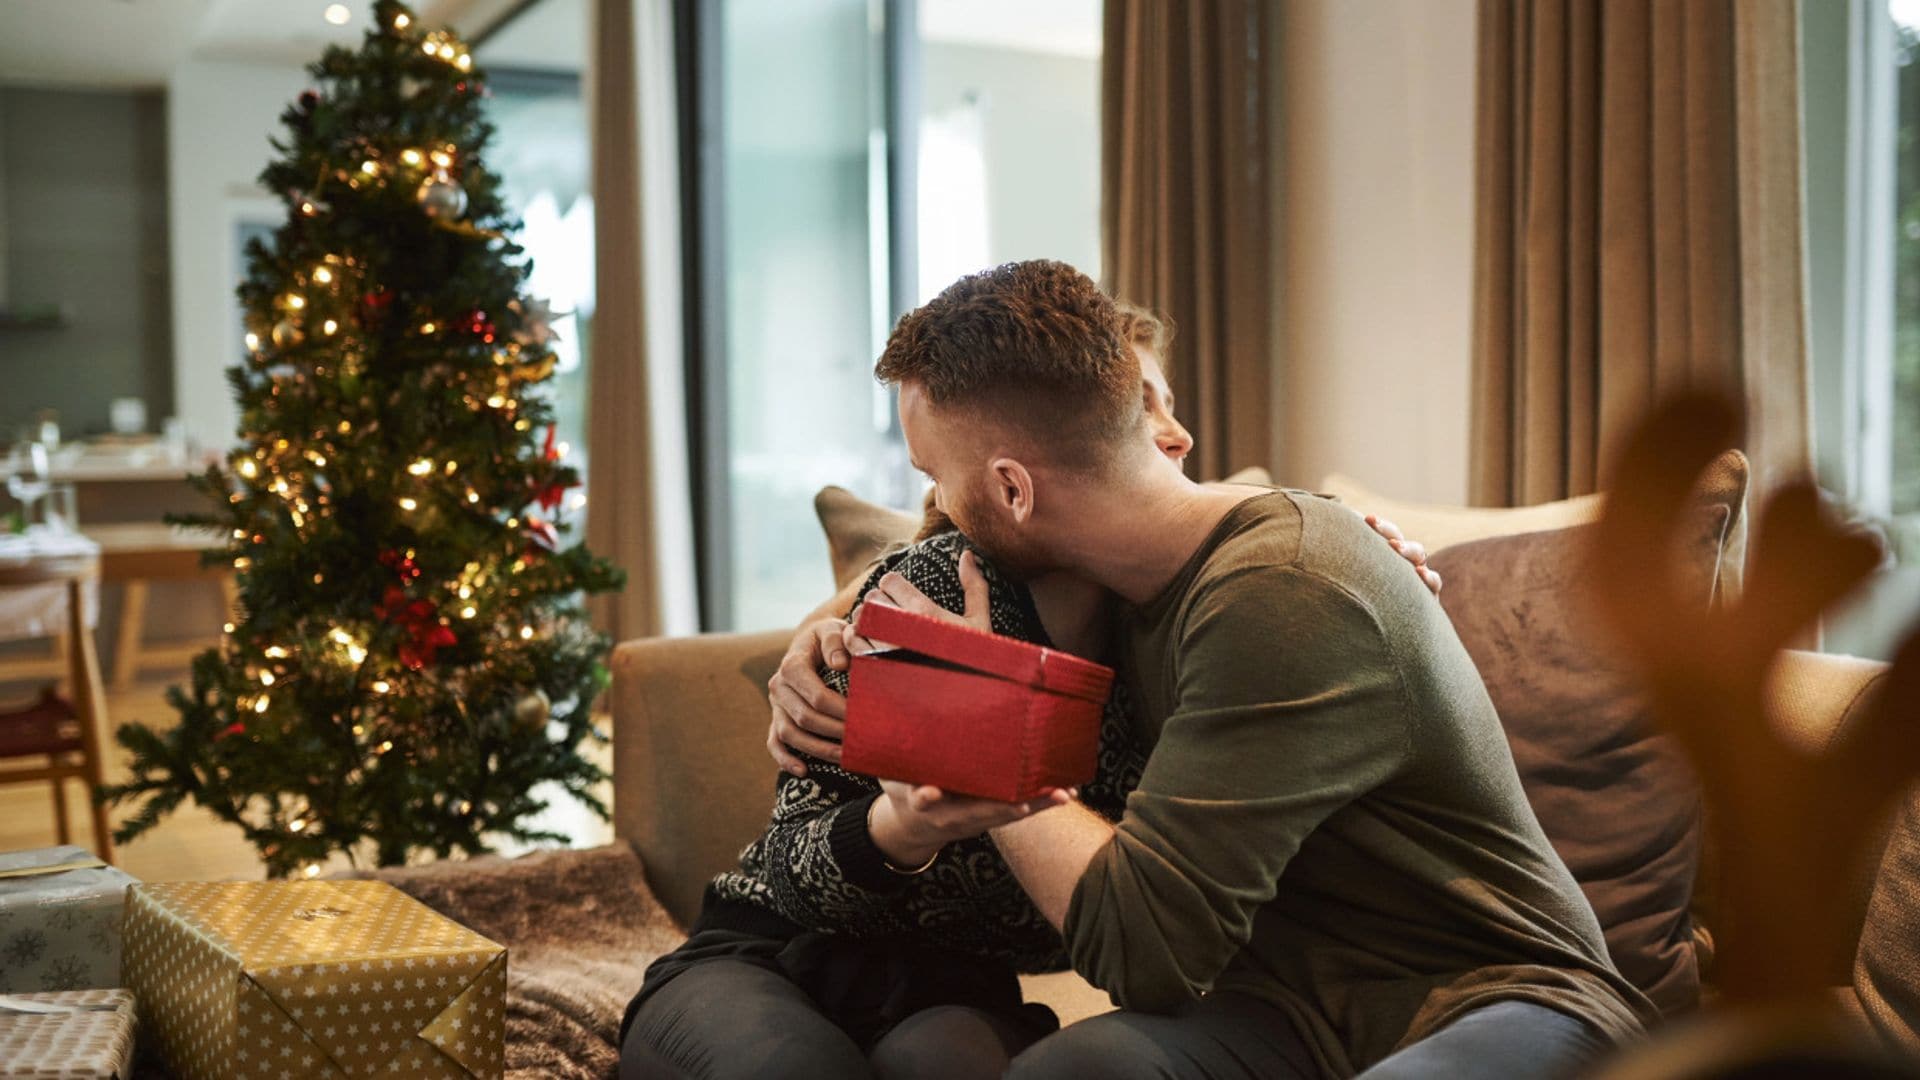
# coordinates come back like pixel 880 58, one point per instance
pixel 49 663
pixel 67 736
pixel 139 553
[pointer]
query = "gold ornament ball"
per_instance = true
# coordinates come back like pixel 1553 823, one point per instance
pixel 442 199
pixel 533 710
pixel 286 334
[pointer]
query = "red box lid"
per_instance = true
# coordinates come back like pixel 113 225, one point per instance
pixel 1017 661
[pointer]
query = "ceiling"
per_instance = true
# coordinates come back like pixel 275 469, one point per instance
pixel 550 36
pixel 137 43
pixel 119 44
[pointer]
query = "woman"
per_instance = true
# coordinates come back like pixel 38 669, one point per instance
pixel 826 953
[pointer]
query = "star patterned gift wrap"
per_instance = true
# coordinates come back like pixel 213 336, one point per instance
pixel 292 979
pixel 59 920
pixel 75 1033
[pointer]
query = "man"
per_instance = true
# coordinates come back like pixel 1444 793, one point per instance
pixel 1329 865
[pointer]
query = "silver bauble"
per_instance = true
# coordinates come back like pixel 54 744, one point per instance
pixel 533 710
pixel 286 335
pixel 443 199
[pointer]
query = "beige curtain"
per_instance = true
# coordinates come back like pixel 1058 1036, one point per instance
pixel 637 470
pixel 1638 231
pixel 1184 205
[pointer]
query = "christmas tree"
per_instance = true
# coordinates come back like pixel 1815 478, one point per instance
pixel 409 659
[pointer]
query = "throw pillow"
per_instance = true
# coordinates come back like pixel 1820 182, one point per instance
pixel 858 532
pixel 1884 973
pixel 1616 797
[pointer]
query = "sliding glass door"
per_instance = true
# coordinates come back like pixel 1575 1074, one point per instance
pixel 847 159
pixel 793 216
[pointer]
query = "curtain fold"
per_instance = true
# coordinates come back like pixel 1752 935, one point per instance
pixel 1638 231
pixel 639 515
pixel 1184 205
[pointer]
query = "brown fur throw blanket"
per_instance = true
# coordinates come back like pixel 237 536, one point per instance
pixel 580 928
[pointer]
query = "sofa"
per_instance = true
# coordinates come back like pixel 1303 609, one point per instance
pixel 693 782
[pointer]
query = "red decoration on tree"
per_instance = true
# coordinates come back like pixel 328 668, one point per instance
pixel 309 99
pixel 400 564
pixel 235 728
pixel 543 533
pixel 548 495
pixel 426 636
pixel 375 307
pixel 480 326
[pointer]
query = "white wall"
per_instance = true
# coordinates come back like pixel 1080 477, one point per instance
pixel 219 117
pixel 1373 152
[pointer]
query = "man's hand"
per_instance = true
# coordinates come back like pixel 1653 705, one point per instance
pixel 807 714
pixel 910 824
pixel 1411 550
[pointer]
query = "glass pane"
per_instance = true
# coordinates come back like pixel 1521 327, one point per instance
pixel 1009 161
pixel 805 270
pixel 1906 263
pixel 540 150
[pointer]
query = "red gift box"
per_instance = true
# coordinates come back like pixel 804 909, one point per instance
pixel 968 711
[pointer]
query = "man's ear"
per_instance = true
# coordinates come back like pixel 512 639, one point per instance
pixel 1013 488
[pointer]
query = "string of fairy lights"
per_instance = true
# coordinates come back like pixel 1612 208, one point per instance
pixel 320 327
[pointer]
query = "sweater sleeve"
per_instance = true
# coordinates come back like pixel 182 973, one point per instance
pixel 1287 706
pixel 816 858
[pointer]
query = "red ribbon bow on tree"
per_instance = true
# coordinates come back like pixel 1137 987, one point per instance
pixel 426 636
pixel 549 494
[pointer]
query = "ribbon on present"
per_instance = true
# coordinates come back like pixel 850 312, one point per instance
pixel 56 868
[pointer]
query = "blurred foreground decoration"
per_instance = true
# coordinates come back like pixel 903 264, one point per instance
pixel 1791 825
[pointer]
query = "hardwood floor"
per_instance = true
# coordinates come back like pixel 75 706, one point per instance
pixel 191 844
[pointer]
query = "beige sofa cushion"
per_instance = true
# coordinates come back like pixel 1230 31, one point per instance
pixel 1438 526
pixel 858 532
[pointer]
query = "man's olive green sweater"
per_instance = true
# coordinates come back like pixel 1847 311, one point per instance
pixel 1330 818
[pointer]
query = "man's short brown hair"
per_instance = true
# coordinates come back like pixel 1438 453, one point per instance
pixel 1033 344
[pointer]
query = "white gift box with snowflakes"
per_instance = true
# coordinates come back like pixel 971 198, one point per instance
pixel 60 912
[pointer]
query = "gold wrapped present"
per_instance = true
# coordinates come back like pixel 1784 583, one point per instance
pixel 72 1033
pixel 312 979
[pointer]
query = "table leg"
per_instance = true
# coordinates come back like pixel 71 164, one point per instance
pixel 126 651
pixel 90 701
pixel 59 786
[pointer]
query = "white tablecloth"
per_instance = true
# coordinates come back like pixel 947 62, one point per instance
pixel 39 611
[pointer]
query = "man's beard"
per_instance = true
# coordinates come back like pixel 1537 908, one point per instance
pixel 1013 556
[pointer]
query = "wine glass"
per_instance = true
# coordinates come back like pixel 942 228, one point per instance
pixel 28 475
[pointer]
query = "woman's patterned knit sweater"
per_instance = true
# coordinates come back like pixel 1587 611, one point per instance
pixel 817 868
